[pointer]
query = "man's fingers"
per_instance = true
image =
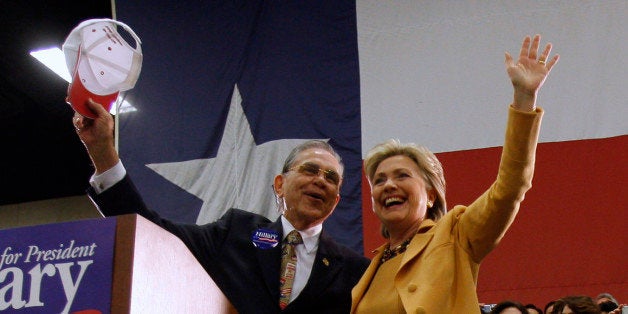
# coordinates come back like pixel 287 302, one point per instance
pixel 77 120
pixel 81 121
pixel 97 108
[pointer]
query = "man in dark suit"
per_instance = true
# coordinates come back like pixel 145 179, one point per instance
pixel 242 251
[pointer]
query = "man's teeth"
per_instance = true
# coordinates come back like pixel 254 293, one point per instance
pixel 315 195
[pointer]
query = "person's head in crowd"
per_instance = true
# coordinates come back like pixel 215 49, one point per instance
pixel 576 304
pixel 509 307
pixel 605 296
pixel 532 309
pixel 549 307
pixel 607 306
pixel 486 308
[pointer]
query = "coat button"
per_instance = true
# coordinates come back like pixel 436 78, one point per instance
pixel 412 287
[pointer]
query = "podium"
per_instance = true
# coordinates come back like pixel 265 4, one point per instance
pixel 123 264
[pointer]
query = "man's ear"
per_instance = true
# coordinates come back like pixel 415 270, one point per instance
pixel 278 185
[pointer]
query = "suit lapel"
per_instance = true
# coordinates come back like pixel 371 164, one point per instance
pixel 327 264
pixel 416 246
pixel 269 260
pixel 418 243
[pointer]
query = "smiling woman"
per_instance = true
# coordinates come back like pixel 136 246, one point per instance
pixel 431 259
pixel 407 165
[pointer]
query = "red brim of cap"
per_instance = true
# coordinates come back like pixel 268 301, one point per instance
pixel 79 95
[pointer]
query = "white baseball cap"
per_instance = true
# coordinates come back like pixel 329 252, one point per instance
pixel 102 63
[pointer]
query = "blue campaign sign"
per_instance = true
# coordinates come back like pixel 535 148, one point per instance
pixel 57 268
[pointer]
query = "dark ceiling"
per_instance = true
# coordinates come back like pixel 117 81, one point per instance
pixel 42 157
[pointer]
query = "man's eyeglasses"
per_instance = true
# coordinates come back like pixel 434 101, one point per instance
pixel 312 170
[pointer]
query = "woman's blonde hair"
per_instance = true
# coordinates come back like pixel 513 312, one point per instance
pixel 430 167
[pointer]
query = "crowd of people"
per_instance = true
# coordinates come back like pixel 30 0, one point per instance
pixel 603 303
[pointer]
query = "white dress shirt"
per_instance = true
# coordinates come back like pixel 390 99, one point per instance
pixel 108 178
pixel 305 254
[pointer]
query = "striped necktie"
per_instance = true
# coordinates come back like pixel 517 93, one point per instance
pixel 288 267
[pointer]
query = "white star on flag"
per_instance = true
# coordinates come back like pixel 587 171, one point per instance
pixel 240 176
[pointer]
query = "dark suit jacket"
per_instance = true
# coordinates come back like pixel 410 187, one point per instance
pixel 247 275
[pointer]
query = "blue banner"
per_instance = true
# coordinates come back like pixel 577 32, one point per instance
pixel 57 268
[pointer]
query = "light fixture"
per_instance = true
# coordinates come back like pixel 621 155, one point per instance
pixel 54 59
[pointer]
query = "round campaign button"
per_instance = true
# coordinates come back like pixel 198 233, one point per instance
pixel 265 238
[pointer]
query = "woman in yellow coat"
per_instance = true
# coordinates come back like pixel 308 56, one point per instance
pixel 431 260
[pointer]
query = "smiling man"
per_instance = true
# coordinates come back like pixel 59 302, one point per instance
pixel 243 251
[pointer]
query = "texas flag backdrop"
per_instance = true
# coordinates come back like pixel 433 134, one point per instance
pixel 229 87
